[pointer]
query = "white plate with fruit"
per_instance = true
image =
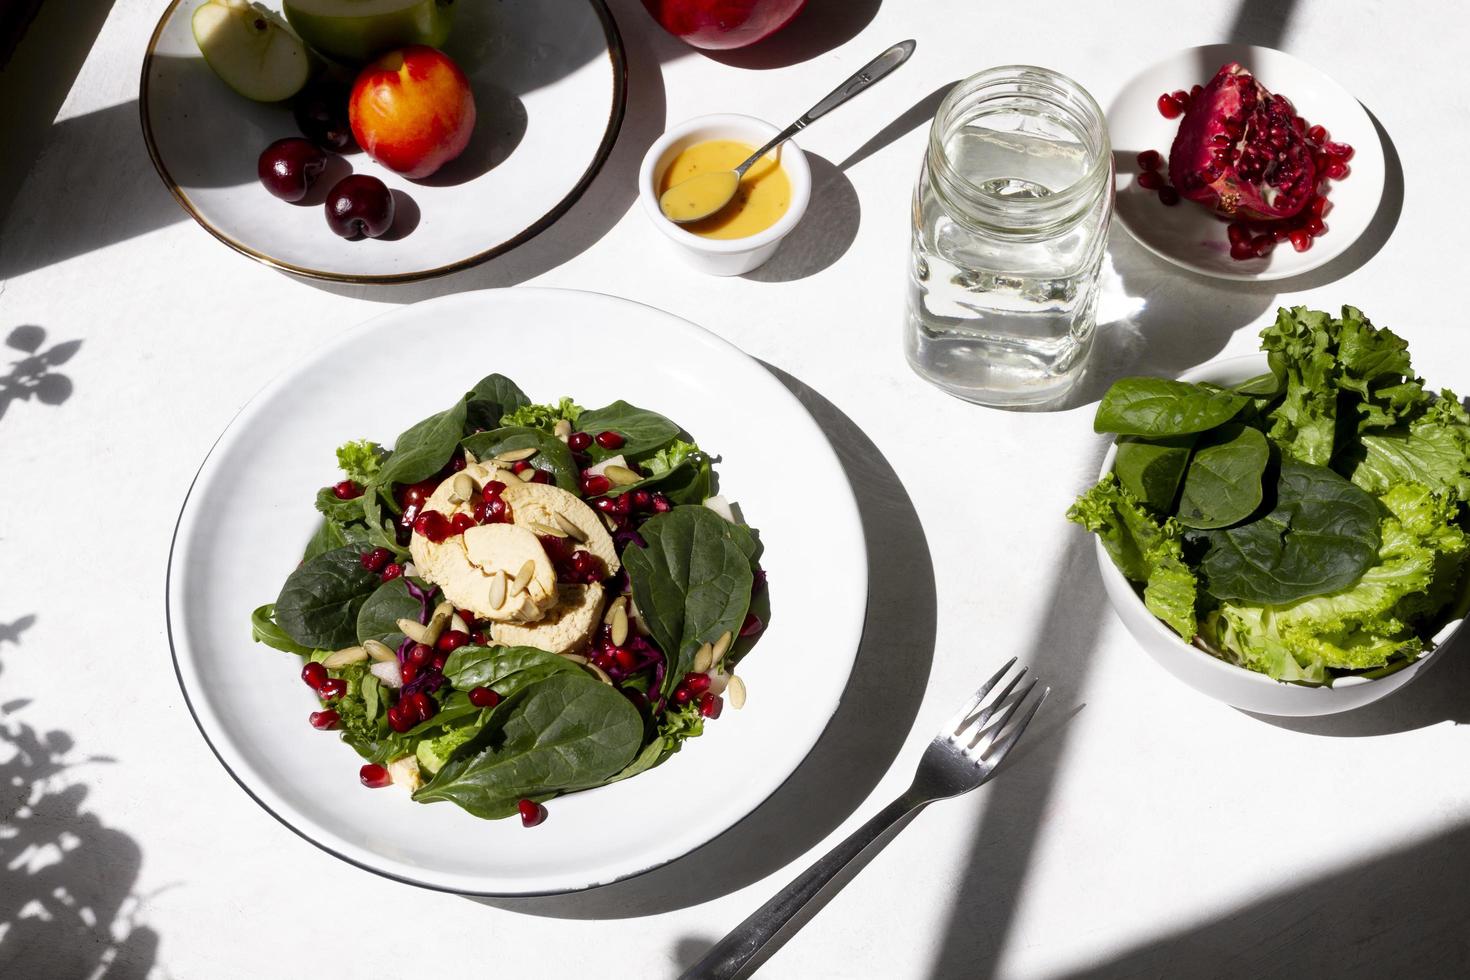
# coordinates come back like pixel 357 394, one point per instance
pixel 1242 162
pixel 377 141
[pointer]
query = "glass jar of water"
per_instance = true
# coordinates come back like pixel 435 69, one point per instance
pixel 1010 223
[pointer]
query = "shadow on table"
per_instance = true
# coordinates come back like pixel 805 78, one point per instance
pixel 820 27
pixel 67 907
pixel 874 717
pixel 33 375
pixel 1352 924
pixel 824 235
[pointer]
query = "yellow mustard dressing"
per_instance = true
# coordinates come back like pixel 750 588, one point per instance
pixel 761 199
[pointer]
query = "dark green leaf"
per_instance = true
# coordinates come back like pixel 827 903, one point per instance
pixel 552 455
pixel 1151 469
pixel 642 431
pixel 1160 407
pixel 691 582
pixel 341 511
pixel 568 732
pixel 423 449
pixel 319 603
pixel 1266 385
pixel 1320 537
pixel 263 629
pixel 390 602
pixel 1223 485
pixel 503 669
pixel 487 401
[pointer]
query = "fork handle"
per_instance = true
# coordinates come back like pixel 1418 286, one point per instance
pixel 745 943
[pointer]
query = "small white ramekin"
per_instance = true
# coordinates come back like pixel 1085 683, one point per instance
pixel 734 256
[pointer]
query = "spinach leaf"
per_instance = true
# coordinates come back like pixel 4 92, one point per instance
pixel 424 448
pixel 263 629
pixel 504 669
pixel 380 530
pixel 1161 407
pixel 642 431
pixel 566 733
pixel 488 400
pixel 552 455
pixel 1151 469
pixel 1320 537
pixel 319 603
pixel 379 616
pixel 680 472
pixel 1223 485
pixel 328 536
pixel 692 581
pixel 341 511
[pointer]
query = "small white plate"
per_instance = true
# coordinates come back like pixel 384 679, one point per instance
pixel 1192 237
pixel 249 513
pixel 550 84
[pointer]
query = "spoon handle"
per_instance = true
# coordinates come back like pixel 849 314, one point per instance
pixel 866 77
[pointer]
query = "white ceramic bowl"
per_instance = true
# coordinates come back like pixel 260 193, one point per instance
pixel 1224 681
pixel 723 257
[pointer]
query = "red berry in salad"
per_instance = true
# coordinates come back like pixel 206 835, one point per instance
pixel 662 504
pixel 532 813
pixel 400 720
pixel 374 560
pixel 424 707
pixel 710 705
pixel 420 654
pixel 451 640
pixel 433 525
pixel 460 523
pixel 483 697
pixel 332 688
pixel 579 442
pixel 697 683
pixel 440 659
pixel 642 500
pixel 360 205
pixel 594 484
pixel 324 720
pixel 314 674
pixel 346 490
pixel 391 571
pixel 287 168
pixel 374 776
pixel 407 671
pixel 610 440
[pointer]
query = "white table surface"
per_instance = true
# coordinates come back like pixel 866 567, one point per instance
pixel 1146 830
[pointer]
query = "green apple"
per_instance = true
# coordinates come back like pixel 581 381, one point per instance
pixel 360 30
pixel 251 49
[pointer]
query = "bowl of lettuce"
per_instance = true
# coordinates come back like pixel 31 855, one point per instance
pixel 1286 531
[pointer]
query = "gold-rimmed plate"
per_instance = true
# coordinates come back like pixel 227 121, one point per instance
pixel 550 85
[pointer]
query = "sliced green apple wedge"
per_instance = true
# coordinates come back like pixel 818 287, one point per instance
pixel 251 49
pixel 360 30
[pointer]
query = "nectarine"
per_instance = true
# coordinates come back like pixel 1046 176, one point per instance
pixel 412 110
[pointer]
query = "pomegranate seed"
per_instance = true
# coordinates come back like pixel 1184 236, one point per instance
pixel 314 674
pixel 492 488
pixel 374 560
pixel 478 638
pixel 1280 233
pixel 408 670
pixel 324 720
pixel 622 506
pixel 420 654
pixel 346 490
pixel 1319 207
pixel 520 466
pixel 433 525
pixel 578 442
pixel 374 776
pixel 451 640
pixel 483 697
pixel 391 571
pixel 423 705
pixel 541 477
pixel 1339 151
pixel 642 500
pixel 697 683
pixel 610 440
pixel 1300 240
pixel 710 705
pixel 1262 245
pixel 440 659
pixel 625 658
pixel 1180 96
pixel 607 505
pixel 682 694
pixel 595 484
pixel 399 719
pixel 1337 170
pixel 1150 180
pixel 1194 92
pixel 604 661
pixel 457 462
pixel 1242 251
pixel 492 511
pixel 332 688
pixel 1315 227
pixel 1239 232
pixel 1150 160
pixel 460 523
pixel 532 813
pixel 1168 195
pixel 662 504
pixel 1317 134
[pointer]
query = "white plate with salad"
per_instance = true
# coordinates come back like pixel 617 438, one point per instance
pixel 475 622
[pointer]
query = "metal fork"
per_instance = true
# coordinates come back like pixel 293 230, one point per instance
pixel 963 756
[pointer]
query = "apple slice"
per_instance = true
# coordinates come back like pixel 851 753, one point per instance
pixel 357 31
pixel 251 49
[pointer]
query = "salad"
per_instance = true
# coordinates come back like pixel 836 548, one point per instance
pixel 519 601
pixel 1308 523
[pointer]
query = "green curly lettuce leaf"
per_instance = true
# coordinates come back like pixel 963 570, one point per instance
pixel 361 460
pixel 543 416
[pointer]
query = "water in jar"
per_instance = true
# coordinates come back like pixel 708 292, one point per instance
pixel 1004 316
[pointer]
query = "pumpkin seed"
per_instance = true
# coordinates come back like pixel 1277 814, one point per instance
pixel 457 624
pixel 620 476
pixel 437 622
pixel 572 530
pixel 497 590
pixel 470 459
pixel 380 652
pixel 722 646
pixel 612 609
pixel 608 522
pixel 562 429
pixel 527 475
pixel 515 455
pixel 343 657
pixel 463 488
pixel 736 690
pixel 529 610
pixel 412 629
pixel 540 528
pixel 704 658
pixel 619 626
pixel 523 577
